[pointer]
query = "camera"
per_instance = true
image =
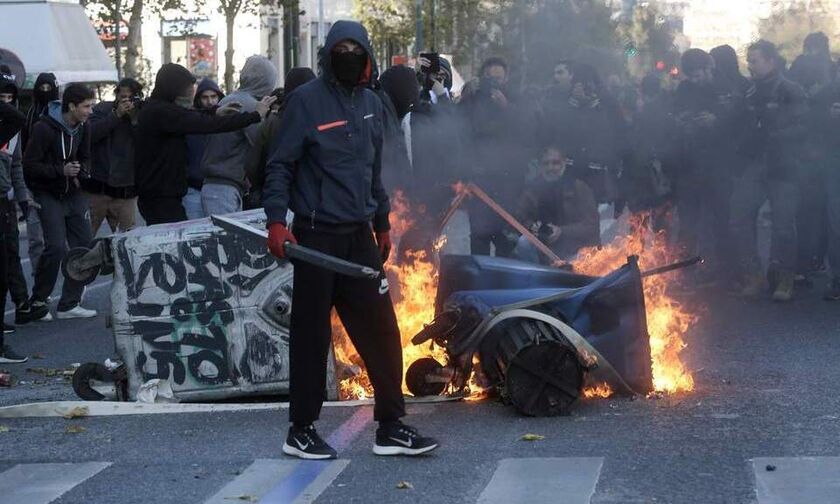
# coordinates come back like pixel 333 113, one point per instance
pixel 434 63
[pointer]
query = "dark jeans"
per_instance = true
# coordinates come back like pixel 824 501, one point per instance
pixel 750 193
pixel 704 211
pixel 65 221
pixel 161 210
pixel 811 225
pixel 367 313
pixel 16 281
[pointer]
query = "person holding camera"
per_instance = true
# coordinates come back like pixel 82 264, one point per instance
pixel 110 188
pixel 56 160
pixel 496 138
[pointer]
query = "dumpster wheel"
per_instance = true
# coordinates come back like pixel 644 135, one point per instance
pixel 70 266
pixel 85 377
pixel 417 374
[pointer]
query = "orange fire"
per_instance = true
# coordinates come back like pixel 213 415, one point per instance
pixel 667 319
pixel 414 287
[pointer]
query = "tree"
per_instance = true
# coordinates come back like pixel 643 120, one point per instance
pixel 230 9
pixel 788 27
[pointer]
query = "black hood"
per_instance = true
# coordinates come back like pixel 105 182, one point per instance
pixel 42 98
pixel 726 61
pixel 446 66
pixel 171 81
pixel 400 82
pixel 297 77
pixel 344 30
pixel 8 84
pixel 206 84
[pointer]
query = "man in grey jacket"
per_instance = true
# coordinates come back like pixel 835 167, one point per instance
pixel 224 160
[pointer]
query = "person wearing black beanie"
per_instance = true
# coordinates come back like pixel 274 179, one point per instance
pixel 167 117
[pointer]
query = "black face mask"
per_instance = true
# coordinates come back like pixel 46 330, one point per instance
pixel 44 97
pixel 348 67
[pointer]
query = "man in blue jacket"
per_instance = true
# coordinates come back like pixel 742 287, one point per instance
pixel 326 168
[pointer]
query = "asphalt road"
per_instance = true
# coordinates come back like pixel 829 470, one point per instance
pixel 763 425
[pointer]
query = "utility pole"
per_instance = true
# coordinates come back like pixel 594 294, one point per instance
pixel 320 24
pixel 419 44
pixel 117 42
pixel 432 26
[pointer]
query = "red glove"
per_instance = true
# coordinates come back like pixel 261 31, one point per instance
pixel 383 239
pixel 278 235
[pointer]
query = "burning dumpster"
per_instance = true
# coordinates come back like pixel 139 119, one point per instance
pixel 202 308
pixel 539 333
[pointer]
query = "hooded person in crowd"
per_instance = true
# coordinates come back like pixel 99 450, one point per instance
pixel 110 188
pixel 775 111
pixel 207 98
pixel 44 91
pixel 495 143
pixel 165 120
pixel 824 125
pixel 646 180
pixel 13 188
pixel 591 126
pixel 264 143
pixel 403 91
pixel 11 122
pixel 813 69
pixel 559 209
pixel 56 160
pixel 701 175
pixel 326 168
pixel 225 184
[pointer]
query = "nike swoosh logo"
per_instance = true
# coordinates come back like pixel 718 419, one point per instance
pixel 407 444
pixel 302 446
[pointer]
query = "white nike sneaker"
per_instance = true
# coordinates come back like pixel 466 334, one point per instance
pixel 74 313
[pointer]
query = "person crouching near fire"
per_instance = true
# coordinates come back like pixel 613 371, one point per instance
pixel 559 209
pixel 326 168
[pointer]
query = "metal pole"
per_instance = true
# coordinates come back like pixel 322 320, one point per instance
pixel 117 44
pixel 419 44
pixel 432 26
pixel 320 24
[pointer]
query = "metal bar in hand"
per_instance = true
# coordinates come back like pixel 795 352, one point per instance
pixel 483 196
pixel 299 252
pixel 672 267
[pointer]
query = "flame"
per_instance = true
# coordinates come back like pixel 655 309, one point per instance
pixel 413 289
pixel 601 390
pixel 667 319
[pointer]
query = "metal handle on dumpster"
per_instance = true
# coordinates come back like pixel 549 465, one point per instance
pixel 299 252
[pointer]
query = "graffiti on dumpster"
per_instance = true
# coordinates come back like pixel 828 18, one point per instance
pixel 184 301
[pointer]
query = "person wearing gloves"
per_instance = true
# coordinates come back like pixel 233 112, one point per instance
pixel 326 168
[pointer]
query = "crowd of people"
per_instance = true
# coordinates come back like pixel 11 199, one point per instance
pixel 709 148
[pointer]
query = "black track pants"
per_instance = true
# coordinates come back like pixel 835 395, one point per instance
pixel 367 313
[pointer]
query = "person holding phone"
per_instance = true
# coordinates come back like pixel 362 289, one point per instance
pixel 54 165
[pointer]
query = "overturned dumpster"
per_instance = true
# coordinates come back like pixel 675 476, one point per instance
pixel 540 333
pixel 205 310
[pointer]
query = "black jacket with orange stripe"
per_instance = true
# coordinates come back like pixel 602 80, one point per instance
pixel 327 162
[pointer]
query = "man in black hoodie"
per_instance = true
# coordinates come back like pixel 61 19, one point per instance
pixel 163 124
pixel 326 168
pixel 44 91
pixel 776 109
pixel 57 157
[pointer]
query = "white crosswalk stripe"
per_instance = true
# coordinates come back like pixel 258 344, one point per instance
pixel 43 483
pixel 787 480
pixel 543 480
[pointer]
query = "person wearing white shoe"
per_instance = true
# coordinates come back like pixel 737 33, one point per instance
pixel 55 162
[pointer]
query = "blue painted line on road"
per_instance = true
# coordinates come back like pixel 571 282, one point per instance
pixel 301 477
pixel 307 471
